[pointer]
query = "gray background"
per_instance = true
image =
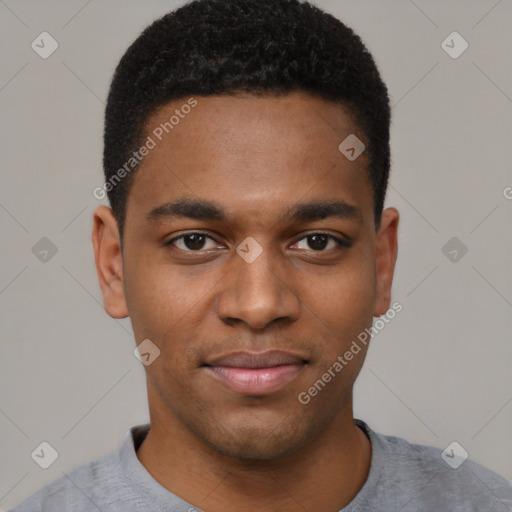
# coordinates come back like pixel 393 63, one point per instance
pixel 439 372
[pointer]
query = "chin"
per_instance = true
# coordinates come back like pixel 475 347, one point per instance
pixel 256 443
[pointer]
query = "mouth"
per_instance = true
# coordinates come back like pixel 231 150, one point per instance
pixel 252 373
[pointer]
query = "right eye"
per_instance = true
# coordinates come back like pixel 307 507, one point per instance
pixel 191 242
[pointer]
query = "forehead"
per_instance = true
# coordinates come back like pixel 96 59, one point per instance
pixel 251 153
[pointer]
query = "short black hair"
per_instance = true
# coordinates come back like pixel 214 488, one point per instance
pixel 273 47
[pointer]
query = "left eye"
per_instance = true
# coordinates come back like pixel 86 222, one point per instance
pixel 319 241
pixel 194 242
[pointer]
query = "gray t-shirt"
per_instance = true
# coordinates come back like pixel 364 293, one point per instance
pixel 403 477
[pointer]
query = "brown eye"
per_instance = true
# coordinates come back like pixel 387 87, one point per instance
pixel 191 242
pixel 320 241
pixel 194 241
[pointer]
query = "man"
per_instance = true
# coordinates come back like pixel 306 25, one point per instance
pixel 246 162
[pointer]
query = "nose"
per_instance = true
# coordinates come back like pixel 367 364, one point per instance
pixel 258 293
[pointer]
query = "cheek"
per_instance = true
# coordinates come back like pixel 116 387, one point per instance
pixel 155 300
pixel 347 289
pixel 162 298
pixel 342 303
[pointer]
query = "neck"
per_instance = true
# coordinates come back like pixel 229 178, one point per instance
pixel 323 476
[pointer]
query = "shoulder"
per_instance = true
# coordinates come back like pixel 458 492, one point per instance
pixel 88 484
pixel 425 475
pixel 104 484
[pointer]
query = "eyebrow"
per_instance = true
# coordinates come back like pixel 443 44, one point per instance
pixel 200 209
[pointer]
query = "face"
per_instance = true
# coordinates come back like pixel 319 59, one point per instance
pixel 251 260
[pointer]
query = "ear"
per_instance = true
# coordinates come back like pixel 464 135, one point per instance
pixel 109 262
pixel 386 253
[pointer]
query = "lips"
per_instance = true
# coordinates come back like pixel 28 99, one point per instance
pixel 256 360
pixel 252 373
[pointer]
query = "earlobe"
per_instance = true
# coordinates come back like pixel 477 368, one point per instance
pixel 386 254
pixel 109 262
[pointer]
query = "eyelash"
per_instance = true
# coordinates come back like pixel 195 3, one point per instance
pixel 341 243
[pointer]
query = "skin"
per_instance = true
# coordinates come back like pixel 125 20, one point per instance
pixel 256 157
